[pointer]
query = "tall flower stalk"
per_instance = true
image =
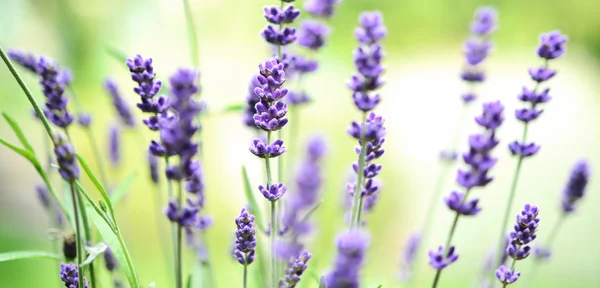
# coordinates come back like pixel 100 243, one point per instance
pixel 370 130
pixel 245 241
pixel 518 249
pixel 573 192
pixel 476 49
pixel 552 46
pixel 480 161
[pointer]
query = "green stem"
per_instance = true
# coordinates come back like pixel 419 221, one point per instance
pixel 75 197
pixel 179 264
pixel 30 97
pixel 272 238
pixel 438 274
pixel 245 275
pixel 88 237
pixel 127 258
pixel 356 205
pixel 158 202
pixel 550 241
pixel 511 196
pixel 193 39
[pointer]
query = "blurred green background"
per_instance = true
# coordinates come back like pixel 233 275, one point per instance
pixel 421 105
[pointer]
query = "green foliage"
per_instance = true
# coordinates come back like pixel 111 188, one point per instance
pixel 237 107
pixel 18 255
pixel 94 252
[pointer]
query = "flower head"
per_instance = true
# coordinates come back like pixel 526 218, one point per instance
pixel 295 269
pixel 69 274
pixel 439 259
pixel 575 188
pixel 66 158
pixel 312 34
pixel 485 21
pixel 507 275
pixel 552 45
pixel 321 8
pixel 119 103
pixel 245 241
pixel 351 246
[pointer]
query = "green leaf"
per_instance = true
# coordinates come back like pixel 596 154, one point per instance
pixel 68 198
pixel 122 189
pixel 28 155
pixel 116 54
pixel 111 239
pixel 189 281
pixel 254 207
pixel 94 252
pixel 234 108
pixel 18 255
pixel 99 186
pixel 380 286
pixel 15 127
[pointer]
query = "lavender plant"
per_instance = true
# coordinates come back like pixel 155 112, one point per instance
pixel 351 246
pixel 475 49
pixel 518 249
pixel 245 241
pixel 552 46
pixel 479 160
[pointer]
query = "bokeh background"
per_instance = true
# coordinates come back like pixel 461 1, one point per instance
pixel 421 105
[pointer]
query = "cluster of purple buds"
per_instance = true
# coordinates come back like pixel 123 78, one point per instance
pixel 518 249
pixel 142 72
pixel 321 8
pixel 440 258
pixel 25 59
pixel 276 33
pixel 119 103
pixel 251 100
pixel 477 48
pixel 575 189
pixel 367 59
pixel 54 83
pixel 295 269
pixel 69 274
pixel 552 45
pixel 66 158
pixel 245 240
pixel 351 246
pixel 185 217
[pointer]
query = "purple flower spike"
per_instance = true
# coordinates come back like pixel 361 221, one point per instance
pixel 245 241
pixel 54 82
pixel 119 103
pixel 476 51
pixel 321 8
pixel 523 150
pixel 185 217
pixel 66 159
pixel 524 232
pixel 312 34
pixel 575 188
pixel 371 28
pixel 552 45
pixel 69 274
pixel 454 202
pixel 110 261
pixel 506 275
pixel 541 74
pixel 153 164
pixel 114 144
pixel 351 246
pixel 25 59
pixel 272 192
pixel 541 253
pixel 485 21
pixel 295 269
pixel 492 116
pixel 440 259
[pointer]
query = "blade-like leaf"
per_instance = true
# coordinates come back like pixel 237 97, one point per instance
pixel 93 253
pixel 234 108
pixel 111 239
pixel 189 281
pixel 116 54
pixel 17 255
pixel 28 155
pixel 99 186
pixel 15 127
pixel 68 199
pixel 121 190
pixel 254 207
pixel 380 286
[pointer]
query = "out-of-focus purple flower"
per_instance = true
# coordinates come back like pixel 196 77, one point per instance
pixel 25 59
pixel 448 156
pixel 485 22
pixel 272 192
pixel 321 8
pixel 43 195
pixel 119 103
pixel 142 72
pixel 523 150
pixel 304 65
pixel 245 240
pixel 69 274
pixel 492 116
pixel 66 159
pixel 185 217
pixel 542 254
pixel 84 119
pixel 476 51
pixel 472 75
pixel 468 97
pixel 251 100
pixel 153 165
pixel 297 98
pixel 351 246
pixel 541 74
pixel 110 261
pixel 439 259
pixel 114 144
pixel 507 275
pixel 455 203
pixel 408 255
pixel 312 34
pixel 552 45
pixel 371 29
pixel 295 269
pixel 575 188
pixel 54 83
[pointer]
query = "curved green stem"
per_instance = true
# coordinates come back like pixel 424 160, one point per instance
pixel 357 198
pixel 193 43
pixel 75 197
pixel 273 233
pixel 245 275
pixel 127 257
pixel 88 237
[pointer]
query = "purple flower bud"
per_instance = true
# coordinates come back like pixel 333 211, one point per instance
pixel 440 259
pixel 541 74
pixel 365 101
pixel 25 59
pixel 534 97
pixel 276 37
pixel 485 21
pixel 492 116
pixel 245 240
pixel 523 150
pixel 85 119
pixel 275 15
pixel 371 28
pixel 272 192
pixel 312 34
pixel 153 165
pixel 408 255
pixel 472 75
pixel 119 103
pixel 476 51
pixel 110 261
pixel 43 195
pixel 295 269
pixel 321 8
pixel 524 232
pixel 575 188
pixel 185 217
pixel 54 82
pixel 455 202
pixel 114 144
pixel 374 129
pixel 527 115
pixel 351 246
pixel 507 275
pixel 69 274
pixel 66 158
pixel 468 97
pixel 552 45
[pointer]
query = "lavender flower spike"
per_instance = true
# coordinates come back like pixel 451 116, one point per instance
pixel 119 103
pixel 69 274
pixel 295 269
pixel 351 246
pixel 25 59
pixel 142 72
pixel 575 189
pixel 439 259
pixel 66 158
pixel 245 241
pixel 409 255
pixel 321 8
pixel 54 82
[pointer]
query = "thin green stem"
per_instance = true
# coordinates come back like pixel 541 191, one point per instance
pixel 88 237
pixel 511 196
pixel 356 205
pixel 245 275
pixel 158 202
pixel 128 258
pixel 75 197
pixel 193 39
pixel 27 92
pixel 438 274
pixel 272 238
pixel 173 225
pixel 206 263
pixel 179 266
